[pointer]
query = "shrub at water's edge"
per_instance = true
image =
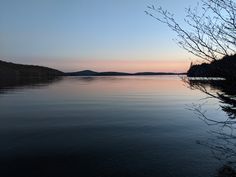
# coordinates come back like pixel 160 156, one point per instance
pixel 225 68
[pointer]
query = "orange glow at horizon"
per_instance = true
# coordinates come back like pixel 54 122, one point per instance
pixel 123 65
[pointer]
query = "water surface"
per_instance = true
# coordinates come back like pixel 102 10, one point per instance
pixel 106 127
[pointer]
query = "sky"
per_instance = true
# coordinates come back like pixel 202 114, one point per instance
pixel 101 35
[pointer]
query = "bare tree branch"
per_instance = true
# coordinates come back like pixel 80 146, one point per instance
pixel 210 32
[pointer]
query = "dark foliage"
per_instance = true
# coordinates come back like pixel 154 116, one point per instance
pixel 12 71
pixel 226 68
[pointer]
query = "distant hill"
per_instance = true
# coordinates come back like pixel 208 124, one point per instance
pixel 93 73
pixel 19 71
pixel 82 73
pixel 157 73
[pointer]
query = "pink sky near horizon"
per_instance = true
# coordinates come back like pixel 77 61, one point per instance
pixel 119 65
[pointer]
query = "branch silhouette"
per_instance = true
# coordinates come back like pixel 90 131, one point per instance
pixel 209 31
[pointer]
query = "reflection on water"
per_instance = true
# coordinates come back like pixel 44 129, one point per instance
pixel 108 126
pixel 10 85
pixel 223 137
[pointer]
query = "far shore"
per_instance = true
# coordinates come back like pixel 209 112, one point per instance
pixel 17 71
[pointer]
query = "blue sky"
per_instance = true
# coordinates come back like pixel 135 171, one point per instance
pixel 87 34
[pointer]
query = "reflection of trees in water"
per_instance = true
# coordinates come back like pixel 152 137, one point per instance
pixel 222 141
pixel 21 83
pixel 224 91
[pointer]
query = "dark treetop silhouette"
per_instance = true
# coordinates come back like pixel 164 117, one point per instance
pixel 218 68
pixel 17 71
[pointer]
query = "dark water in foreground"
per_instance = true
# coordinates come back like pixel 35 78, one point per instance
pixel 109 127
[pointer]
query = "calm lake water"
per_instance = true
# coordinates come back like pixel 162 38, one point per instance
pixel 109 127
